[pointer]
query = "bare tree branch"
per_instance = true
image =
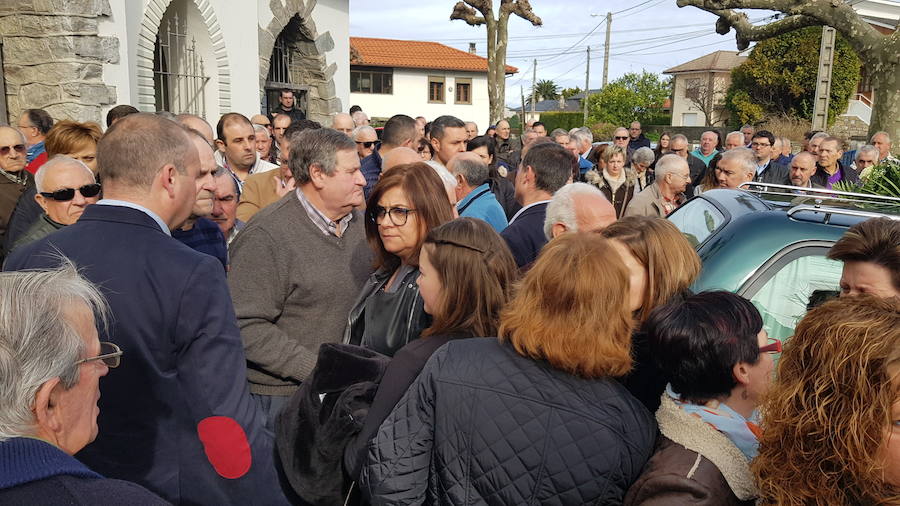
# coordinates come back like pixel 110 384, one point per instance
pixel 467 14
pixel 521 8
pixel 745 32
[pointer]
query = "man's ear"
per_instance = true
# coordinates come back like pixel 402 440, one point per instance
pixel 220 145
pixel 317 175
pixel 167 178
pixel 407 143
pixel 557 230
pixel 41 201
pixel 46 411
pixel 435 143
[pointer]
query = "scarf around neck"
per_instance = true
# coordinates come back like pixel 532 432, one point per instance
pixel 743 432
pixel 614 183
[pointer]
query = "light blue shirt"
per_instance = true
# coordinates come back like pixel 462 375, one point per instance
pixel 482 204
pixel 132 205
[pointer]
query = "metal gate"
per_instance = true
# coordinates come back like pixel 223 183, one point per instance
pixel 284 70
pixel 179 76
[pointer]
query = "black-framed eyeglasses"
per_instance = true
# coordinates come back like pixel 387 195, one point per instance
pixel 369 144
pixel 399 215
pixel 19 148
pixel 110 354
pixel 620 138
pixel 67 194
pixel 760 145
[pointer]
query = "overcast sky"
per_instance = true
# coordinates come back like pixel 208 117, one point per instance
pixel 646 34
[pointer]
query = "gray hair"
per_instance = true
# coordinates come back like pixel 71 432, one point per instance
pixel 736 133
pixel 668 163
pixel 259 129
pixel 868 148
pixel 359 116
pixel 38 342
pixel 561 208
pixel 643 155
pixel 557 132
pixel 582 136
pixel 318 146
pixel 680 137
pixel 360 129
pixel 59 161
pixel 886 135
pixel 820 135
pixel 475 172
pixel 744 157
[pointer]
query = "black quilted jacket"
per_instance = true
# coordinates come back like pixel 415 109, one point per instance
pixel 484 425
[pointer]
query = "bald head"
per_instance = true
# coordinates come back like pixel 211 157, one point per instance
pixel 197 123
pixel 399 156
pixel 343 122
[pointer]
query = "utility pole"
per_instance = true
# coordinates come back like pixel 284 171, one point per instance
pixel 522 116
pixel 533 91
pixel 823 79
pixel 606 49
pixel 587 82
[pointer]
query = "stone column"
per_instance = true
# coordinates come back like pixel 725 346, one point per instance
pixel 53 57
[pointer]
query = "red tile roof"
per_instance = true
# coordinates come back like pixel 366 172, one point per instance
pixel 415 54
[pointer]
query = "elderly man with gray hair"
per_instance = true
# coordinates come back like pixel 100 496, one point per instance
pixel 65 187
pixel 577 207
pixel 583 139
pixel 473 191
pixel 366 139
pixel 667 191
pixel 736 167
pixel 298 265
pixel 51 362
pixel 866 158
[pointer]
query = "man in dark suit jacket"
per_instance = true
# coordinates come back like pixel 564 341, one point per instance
pixel 177 417
pixel 544 169
pixel 767 170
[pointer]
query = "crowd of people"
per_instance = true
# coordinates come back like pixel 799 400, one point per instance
pixel 419 314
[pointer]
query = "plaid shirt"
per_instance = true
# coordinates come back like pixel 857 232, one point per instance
pixel 322 222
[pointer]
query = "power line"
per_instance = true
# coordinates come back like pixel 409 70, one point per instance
pixel 586 36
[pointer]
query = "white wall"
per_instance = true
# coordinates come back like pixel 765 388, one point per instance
pixel 681 105
pixel 410 97
pixel 118 74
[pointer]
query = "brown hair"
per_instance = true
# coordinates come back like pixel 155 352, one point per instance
pixel 876 240
pixel 69 136
pixel 426 194
pixel 611 151
pixel 476 270
pixel 825 415
pixel 563 314
pixel 668 258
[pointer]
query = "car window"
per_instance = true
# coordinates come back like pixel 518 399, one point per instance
pixel 801 283
pixel 697 220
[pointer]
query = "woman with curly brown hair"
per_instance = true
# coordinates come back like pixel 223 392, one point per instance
pixel 831 421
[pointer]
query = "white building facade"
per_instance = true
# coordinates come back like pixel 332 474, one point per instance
pixel 76 59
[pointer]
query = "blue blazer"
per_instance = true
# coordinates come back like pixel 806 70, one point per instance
pixel 176 416
pixel 525 235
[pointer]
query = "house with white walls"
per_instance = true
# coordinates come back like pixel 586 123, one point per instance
pixel 417 78
pixel 78 58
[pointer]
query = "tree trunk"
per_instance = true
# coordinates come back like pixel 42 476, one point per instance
pixel 886 110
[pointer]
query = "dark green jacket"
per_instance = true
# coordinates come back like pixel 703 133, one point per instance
pixel 41 228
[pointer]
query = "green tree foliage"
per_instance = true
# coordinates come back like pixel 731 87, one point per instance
pixel 779 78
pixel 631 97
pixel 568 92
pixel 561 119
pixel 546 89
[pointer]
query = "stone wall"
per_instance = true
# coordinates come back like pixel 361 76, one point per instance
pixel 309 47
pixel 849 128
pixel 53 57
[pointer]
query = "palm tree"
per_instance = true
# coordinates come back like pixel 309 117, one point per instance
pixel 546 90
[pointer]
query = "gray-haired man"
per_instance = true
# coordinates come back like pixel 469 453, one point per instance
pixel 297 267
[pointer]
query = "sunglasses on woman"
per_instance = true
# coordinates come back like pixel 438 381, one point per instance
pixel 774 346
pixel 19 148
pixel 67 194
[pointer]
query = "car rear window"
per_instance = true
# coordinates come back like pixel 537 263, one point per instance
pixel 697 220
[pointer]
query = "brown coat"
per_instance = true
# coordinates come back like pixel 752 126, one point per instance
pixel 693 464
pixel 258 192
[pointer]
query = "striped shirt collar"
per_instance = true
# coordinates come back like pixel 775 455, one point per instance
pixel 322 222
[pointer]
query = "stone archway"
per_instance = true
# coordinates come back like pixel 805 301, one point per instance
pixel 310 47
pixel 153 16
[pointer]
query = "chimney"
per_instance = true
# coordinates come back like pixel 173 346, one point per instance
pixel 471 47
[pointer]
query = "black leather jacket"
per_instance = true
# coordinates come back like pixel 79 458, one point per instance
pixel 385 321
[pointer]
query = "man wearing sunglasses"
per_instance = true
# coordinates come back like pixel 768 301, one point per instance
pixel 14 179
pixel 65 187
pixel 178 419
pixel 366 140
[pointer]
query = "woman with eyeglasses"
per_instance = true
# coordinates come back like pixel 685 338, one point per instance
pixel 466 273
pixel 831 432
pixel 65 188
pixel 407 202
pixel 718 360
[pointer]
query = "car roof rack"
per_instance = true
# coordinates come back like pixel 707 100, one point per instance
pixel 830 211
pixel 825 194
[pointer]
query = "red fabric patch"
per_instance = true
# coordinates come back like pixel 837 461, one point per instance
pixel 226 446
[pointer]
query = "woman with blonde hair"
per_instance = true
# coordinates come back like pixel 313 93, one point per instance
pixel 75 140
pixel 662 265
pixel 533 417
pixel 615 180
pixel 831 421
